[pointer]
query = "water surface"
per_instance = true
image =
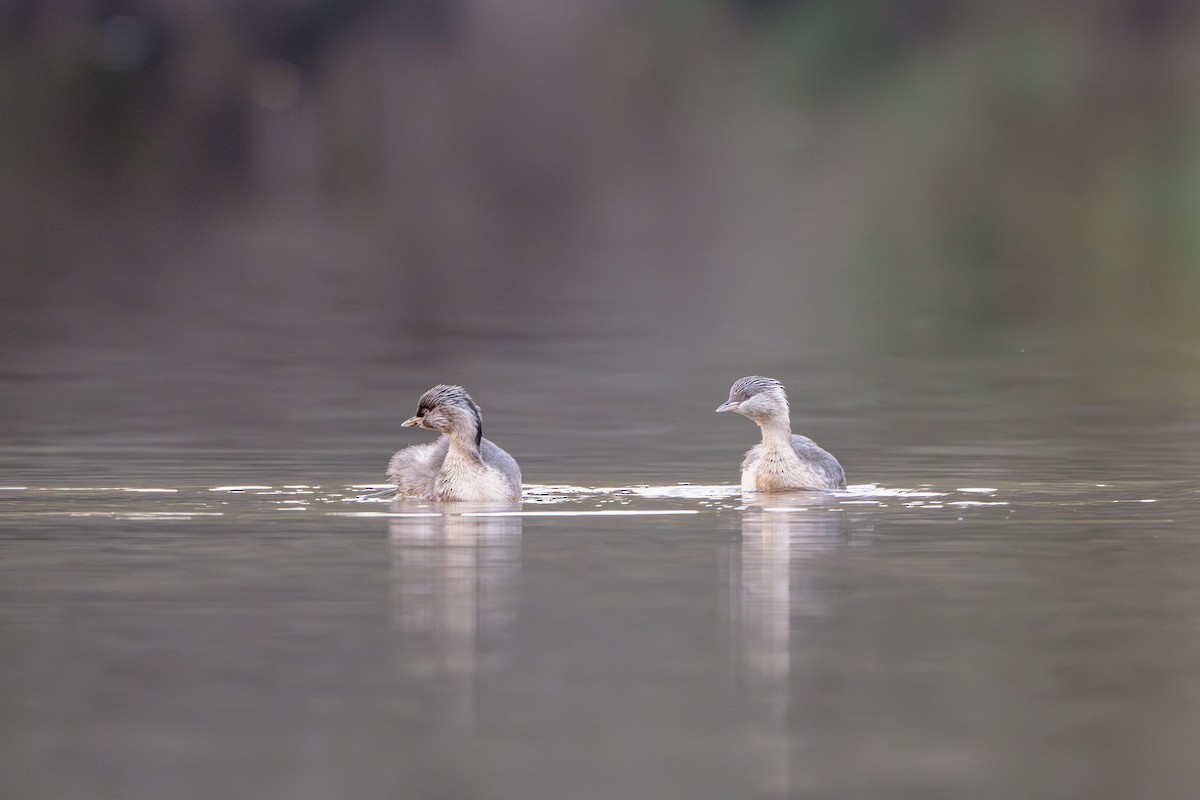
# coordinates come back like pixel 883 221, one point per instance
pixel 197 601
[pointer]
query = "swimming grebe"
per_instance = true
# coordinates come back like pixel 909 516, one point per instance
pixel 784 460
pixel 460 464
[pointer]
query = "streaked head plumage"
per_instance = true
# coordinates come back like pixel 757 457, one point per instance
pixel 449 409
pixel 445 394
pixel 747 387
pixel 757 397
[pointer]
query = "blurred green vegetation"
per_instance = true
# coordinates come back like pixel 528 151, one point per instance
pixel 963 162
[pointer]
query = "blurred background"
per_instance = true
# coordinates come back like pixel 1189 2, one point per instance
pixel 239 239
pixel 252 217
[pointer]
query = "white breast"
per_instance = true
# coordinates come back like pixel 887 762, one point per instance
pixel 458 481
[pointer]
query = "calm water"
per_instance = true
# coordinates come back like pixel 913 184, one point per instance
pixel 194 603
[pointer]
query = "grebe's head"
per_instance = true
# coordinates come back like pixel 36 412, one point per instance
pixel 757 397
pixel 448 409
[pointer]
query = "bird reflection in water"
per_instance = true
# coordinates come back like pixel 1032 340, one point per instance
pixel 772 595
pixel 454 584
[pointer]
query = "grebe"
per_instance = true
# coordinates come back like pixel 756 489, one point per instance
pixel 460 464
pixel 784 460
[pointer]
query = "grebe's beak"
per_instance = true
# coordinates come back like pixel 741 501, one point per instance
pixel 728 405
pixel 412 422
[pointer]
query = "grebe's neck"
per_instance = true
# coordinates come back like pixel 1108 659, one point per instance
pixel 465 442
pixel 776 431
